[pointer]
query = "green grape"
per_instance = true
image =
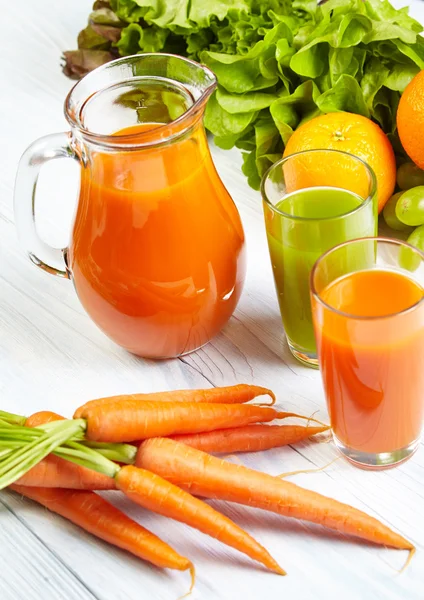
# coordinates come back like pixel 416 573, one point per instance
pixel 409 258
pixel 389 214
pixel 417 238
pixel 410 206
pixel 409 176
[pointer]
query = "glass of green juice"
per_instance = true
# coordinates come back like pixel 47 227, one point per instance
pixel 313 201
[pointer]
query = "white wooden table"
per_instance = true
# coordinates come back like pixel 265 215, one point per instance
pixel 52 356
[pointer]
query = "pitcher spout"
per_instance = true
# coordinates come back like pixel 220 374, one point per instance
pixel 198 79
pixel 166 90
pixel 207 82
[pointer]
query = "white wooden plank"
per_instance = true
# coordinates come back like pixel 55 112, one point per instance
pixel 220 571
pixel 29 569
pixel 111 573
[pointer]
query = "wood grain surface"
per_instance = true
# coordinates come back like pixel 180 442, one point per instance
pixel 53 357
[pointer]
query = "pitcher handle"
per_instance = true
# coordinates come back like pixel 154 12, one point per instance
pixel 49 147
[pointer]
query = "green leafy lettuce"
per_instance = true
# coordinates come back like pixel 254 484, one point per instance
pixel 278 62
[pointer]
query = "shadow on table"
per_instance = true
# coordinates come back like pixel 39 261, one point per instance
pixel 260 337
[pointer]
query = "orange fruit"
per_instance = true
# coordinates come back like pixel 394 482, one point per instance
pixel 410 119
pixel 350 133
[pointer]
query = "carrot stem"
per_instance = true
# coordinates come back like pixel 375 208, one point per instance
pixel 122 453
pixel 11 444
pixel 16 436
pixel 87 457
pixel 46 427
pixel 12 418
pixel 22 459
pixel 16 432
pixel 31 453
pixel 4 453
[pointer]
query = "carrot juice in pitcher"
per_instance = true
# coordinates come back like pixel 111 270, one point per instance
pixel 157 246
pixel 157 252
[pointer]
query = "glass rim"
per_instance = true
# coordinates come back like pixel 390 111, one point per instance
pixel 284 159
pixel 126 141
pixel 393 241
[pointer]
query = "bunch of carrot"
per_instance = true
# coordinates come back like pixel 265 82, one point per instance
pixel 173 430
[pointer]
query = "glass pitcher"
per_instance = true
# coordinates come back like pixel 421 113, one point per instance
pixel 157 252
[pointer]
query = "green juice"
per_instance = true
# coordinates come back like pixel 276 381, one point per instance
pixel 313 221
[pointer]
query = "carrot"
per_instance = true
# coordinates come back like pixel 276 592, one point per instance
pixel 53 471
pixel 131 420
pixel 97 516
pixel 154 493
pixel 232 394
pixel 42 417
pixel 251 438
pixel 211 477
pixel 160 496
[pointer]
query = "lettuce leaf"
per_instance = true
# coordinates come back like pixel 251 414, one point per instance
pixel 278 62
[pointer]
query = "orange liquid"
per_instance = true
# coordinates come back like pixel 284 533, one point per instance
pixel 157 252
pixel 373 369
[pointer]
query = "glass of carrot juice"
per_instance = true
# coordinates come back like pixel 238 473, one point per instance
pixel 368 311
pixel 312 201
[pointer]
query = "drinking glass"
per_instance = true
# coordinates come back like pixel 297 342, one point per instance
pixel 312 201
pixel 368 310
